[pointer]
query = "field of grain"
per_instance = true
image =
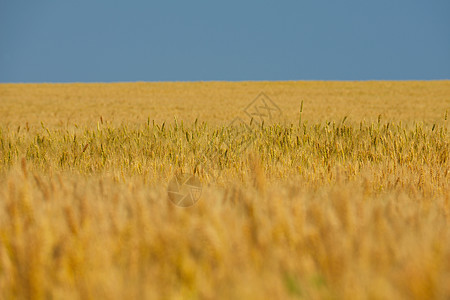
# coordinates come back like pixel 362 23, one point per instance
pixel 342 194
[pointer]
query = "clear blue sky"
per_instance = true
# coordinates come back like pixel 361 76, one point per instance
pixel 107 41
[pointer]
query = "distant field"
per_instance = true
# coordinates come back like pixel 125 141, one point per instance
pixel 341 193
pixel 219 102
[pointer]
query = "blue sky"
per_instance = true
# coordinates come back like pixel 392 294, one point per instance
pixel 109 41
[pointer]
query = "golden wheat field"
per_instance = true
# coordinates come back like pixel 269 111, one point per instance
pixel 339 191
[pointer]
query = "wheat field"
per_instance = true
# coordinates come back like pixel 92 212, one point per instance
pixel 342 194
